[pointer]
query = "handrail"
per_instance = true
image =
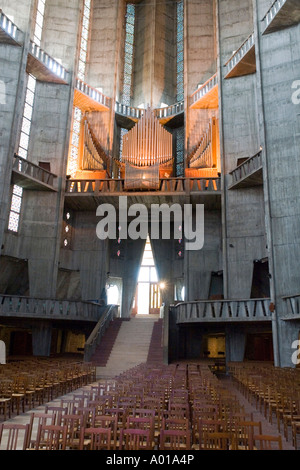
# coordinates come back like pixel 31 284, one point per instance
pixel 95 337
pixel 240 53
pixel 22 165
pixel 8 26
pixel 53 65
pixel 223 310
pixel 92 93
pixel 160 113
pixel 166 185
pixel 32 307
pixel 247 167
pixel 273 10
pixel 204 89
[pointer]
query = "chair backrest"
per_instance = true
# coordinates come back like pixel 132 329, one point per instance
pixel 36 419
pixel 51 437
pixel 174 439
pixel 217 441
pixel 135 439
pixel 100 438
pixel 265 442
pixel 14 436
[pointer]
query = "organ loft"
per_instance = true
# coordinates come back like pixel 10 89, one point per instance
pixel 186 102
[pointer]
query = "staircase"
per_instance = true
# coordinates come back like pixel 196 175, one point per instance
pixel 155 353
pixel 136 342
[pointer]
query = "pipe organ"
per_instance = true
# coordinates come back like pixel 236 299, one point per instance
pixel 147 153
pixel 204 160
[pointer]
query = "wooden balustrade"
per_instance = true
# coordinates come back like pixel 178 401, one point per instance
pixel 29 307
pixel 166 185
pixel 26 168
pixel 222 310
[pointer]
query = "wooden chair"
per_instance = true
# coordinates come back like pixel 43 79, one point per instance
pixel 99 439
pixel 216 441
pixel 14 436
pixel 135 439
pixel 51 437
pixel 111 422
pixel 36 420
pixel 244 432
pixel 75 431
pixel 202 427
pixel 175 439
pixel 264 442
pixel 5 399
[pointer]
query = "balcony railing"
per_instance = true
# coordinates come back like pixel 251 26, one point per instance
pixel 235 66
pixel 29 307
pixel 223 310
pixel 9 32
pixel 95 337
pixel 292 307
pixel 169 111
pixel 129 111
pixel 204 89
pixel 160 113
pixel 93 94
pixel 166 185
pixel 248 174
pixel 282 14
pixel 31 176
pixel 48 66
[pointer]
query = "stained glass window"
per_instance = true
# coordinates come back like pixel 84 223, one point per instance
pixel 128 58
pixel 180 45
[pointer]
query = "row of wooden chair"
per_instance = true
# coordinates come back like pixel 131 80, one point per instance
pixel 176 407
pixel 274 391
pixel 27 383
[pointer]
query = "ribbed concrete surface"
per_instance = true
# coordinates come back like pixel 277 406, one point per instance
pixel 130 348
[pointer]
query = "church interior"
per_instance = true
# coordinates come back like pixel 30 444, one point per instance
pixel 149 225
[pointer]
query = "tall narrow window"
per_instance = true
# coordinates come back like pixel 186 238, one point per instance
pixel 128 54
pixel 128 63
pixel 37 36
pixel 84 39
pixel 17 193
pixel 81 74
pixel 180 50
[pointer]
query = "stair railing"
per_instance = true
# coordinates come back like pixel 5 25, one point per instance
pixel 96 335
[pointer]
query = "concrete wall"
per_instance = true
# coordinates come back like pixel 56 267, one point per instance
pixel 278 62
pixel 243 209
pixel 155 54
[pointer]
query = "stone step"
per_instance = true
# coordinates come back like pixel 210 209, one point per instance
pixel 131 347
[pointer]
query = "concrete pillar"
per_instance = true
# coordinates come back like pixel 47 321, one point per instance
pixel 289 334
pixel 235 343
pixel 41 338
pixel 2 353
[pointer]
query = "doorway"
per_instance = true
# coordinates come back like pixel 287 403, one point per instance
pixel 148 293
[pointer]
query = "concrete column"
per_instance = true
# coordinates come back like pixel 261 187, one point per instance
pixel 41 338
pixel 235 343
